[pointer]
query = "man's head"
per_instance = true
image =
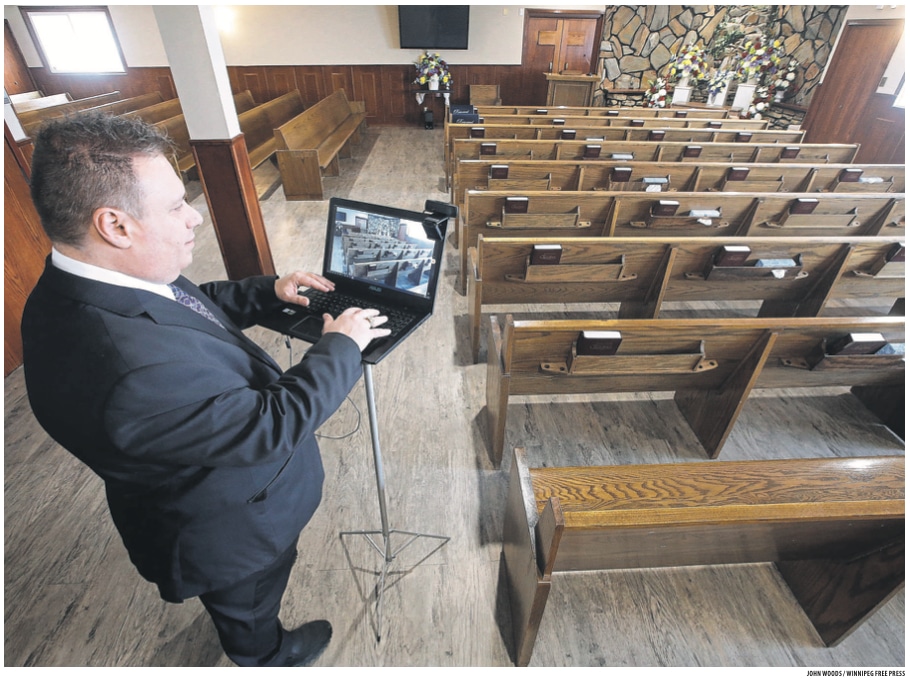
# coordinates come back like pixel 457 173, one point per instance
pixel 105 191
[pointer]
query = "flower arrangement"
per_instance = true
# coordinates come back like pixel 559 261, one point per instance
pixel 657 94
pixel 785 81
pixel 431 66
pixel 761 101
pixel 690 63
pixel 757 57
pixel 718 81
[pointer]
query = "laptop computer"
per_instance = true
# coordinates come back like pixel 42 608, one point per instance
pixel 378 257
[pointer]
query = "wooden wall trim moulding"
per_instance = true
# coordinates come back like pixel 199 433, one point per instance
pixel 230 192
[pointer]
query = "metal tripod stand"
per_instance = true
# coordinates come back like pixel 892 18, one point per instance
pixel 385 550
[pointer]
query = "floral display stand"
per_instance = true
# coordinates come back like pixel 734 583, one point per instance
pixel 682 92
pixel 742 99
pixel 421 94
pixel 719 86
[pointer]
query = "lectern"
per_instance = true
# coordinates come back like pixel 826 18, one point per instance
pixel 570 90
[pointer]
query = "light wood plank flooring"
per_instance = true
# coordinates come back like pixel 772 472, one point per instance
pixel 73 599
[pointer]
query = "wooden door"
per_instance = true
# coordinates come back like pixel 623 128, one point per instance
pixel 16 76
pixel 839 111
pixel 555 42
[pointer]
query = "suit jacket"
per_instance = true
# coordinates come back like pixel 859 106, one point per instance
pixel 206 447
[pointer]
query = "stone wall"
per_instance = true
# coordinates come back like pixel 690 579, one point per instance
pixel 640 41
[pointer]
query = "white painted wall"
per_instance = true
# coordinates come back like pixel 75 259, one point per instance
pixel 312 34
pixel 318 34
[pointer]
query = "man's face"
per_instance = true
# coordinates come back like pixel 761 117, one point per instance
pixel 162 237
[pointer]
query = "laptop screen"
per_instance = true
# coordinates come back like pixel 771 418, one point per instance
pixel 384 247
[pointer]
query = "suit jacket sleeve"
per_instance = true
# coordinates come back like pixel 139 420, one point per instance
pixel 243 301
pixel 214 415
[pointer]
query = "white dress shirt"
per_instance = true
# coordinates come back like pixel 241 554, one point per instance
pixel 90 271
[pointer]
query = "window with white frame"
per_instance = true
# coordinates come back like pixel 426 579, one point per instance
pixel 75 39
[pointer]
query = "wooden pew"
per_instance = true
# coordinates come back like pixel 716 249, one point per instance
pixel 711 365
pixel 32 120
pixel 643 275
pixel 20 97
pixel 610 135
pixel 30 102
pixel 155 113
pixel 500 150
pixel 834 528
pixel 182 159
pixel 311 143
pixel 159 112
pixel 557 126
pixel 243 101
pixel 626 120
pixel 122 106
pixel 565 214
pixel 610 175
pixel 637 111
pixel 259 123
pixel 284 108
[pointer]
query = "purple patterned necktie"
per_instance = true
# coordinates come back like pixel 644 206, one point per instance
pixel 193 303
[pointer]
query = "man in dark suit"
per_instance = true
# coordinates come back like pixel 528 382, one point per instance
pixel 206 447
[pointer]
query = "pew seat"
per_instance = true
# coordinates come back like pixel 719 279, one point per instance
pixel 834 528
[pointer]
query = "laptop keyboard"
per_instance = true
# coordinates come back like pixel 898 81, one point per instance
pixel 335 303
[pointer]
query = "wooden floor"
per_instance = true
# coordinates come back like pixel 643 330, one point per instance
pixel 73 599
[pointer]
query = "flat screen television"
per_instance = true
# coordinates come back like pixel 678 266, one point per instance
pixel 438 27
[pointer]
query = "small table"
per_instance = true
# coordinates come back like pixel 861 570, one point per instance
pixel 420 94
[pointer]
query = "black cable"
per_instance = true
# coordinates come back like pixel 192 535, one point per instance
pixel 287 343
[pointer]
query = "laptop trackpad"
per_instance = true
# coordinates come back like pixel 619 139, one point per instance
pixel 310 326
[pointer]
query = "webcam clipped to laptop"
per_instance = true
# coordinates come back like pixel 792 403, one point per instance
pixel 378 257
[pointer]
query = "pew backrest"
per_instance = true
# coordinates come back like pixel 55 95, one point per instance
pixel 33 103
pixel 243 101
pixel 626 151
pixel 711 365
pixel 32 120
pixel 695 214
pixel 122 106
pixel 644 274
pixel 609 175
pixel 637 111
pixel 309 129
pixel 158 112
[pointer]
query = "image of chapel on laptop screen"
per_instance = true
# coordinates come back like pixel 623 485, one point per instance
pixel 381 246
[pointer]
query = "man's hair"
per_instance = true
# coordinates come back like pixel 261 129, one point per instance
pixel 85 162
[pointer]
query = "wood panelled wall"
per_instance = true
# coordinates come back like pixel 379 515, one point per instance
pixel 134 82
pixel 387 89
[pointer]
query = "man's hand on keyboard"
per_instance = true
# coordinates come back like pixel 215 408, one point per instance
pixel 361 325
pixel 286 287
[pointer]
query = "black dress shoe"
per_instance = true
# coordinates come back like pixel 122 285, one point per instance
pixel 302 646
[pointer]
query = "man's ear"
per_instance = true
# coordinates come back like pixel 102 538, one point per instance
pixel 111 225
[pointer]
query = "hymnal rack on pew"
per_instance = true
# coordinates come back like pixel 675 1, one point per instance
pixel 891 265
pixel 598 343
pixel 731 262
pixel 546 254
pixel 853 351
